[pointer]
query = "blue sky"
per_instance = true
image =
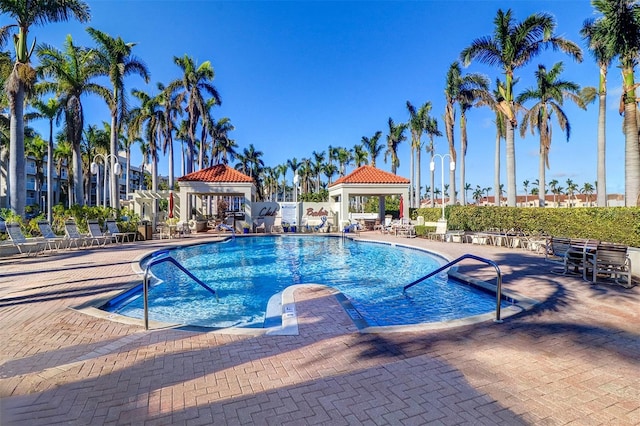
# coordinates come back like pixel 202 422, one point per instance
pixel 298 76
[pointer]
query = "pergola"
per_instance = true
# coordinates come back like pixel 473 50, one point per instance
pixel 218 180
pixel 368 181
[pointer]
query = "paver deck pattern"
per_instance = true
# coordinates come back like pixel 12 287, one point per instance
pixel 573 359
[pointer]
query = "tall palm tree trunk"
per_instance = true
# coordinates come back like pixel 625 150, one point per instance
pixel 632 155
pixel 171 163
pixel 496 170
pixel 412 171
pixel 113 178
pixel 463 152
pixel 50 174
pixel 601 184
pixel 17 170
pixel 511 164
pixel 632 151
pixel 418 175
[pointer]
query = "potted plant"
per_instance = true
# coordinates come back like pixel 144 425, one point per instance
pixel 245 227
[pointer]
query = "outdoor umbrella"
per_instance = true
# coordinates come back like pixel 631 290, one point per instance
pixel 170 205
pixel 401 206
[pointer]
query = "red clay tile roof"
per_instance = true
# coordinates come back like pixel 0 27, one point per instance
pixel 217 173
pixel 370 174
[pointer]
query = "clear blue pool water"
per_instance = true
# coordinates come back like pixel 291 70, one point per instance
pixel 247 272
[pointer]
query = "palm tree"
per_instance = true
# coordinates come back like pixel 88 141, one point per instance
pixel 344 157
pixel 127 142
pixel 148 119
pixel 418 120
pixel 471 88
pixel 51 110
pixel 525 185
pixel 587 189
pixel 117 62
pixel 553 185
pixel 36 147
pixel 63 154
pixel 23 76
pixel 222 147
pixel 501 129
pixel 96 142
pixel 619 27
pixel 596 33
pixel 172 108
pixel 360 156
pixel 318 164
pixel 572 187
pixel 72 71
pixel 431 129
pixel 329 171
pixel 192 86
pixel 394 138
pixel 477 194
pixel 450 93
pixel 372 145
pixel 550 94
pixel 513 46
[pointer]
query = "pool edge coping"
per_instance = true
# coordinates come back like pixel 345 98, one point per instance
pixel 289 320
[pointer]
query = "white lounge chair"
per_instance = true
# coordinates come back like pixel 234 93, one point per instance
pixel 24 245
pixel 97 236
pixel 74 236
pixel 53 241
pixel 119 236
pixel 277 225
pixel 441 231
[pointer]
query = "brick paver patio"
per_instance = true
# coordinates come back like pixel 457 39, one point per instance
pixel 573 359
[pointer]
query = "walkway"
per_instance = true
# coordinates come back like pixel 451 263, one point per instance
pixel 574 359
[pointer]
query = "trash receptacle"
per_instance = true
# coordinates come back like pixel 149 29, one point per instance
pixel 145 231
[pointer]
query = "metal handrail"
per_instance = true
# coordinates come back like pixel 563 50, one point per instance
pixel 228 228
pixel 145 283
pixel 468 256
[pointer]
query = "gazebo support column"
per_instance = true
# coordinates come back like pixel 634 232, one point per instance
pixel 381 208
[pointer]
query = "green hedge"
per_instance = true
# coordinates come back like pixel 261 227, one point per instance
pixel 612 224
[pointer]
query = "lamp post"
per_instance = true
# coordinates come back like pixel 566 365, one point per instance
pixel 296 180
pixel 95 169
pixel 432 167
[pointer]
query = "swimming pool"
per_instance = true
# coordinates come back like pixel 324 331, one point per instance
pixel 247 272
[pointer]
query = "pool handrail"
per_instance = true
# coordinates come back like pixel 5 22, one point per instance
pixel 228 228
pixel 156 259
pixel 463 257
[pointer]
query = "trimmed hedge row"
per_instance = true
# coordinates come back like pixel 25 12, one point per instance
pixel 612 224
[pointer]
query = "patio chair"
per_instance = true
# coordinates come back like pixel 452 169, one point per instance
pixel 557 248
pixel 580 251
pixel 24 245
pixel 277 225
pixel 612 260
pixel 53 240
pixel 97 236
pixel 115 232
pixel 74 236
pixel 260 226
pixel 406 229
pixel 441 231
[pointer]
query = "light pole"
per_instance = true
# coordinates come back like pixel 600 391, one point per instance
pixel 96 171
pixel 296 180
pixel 432 167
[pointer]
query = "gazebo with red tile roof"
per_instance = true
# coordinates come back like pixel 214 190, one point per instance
pixel 216 180
pixel 368 180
